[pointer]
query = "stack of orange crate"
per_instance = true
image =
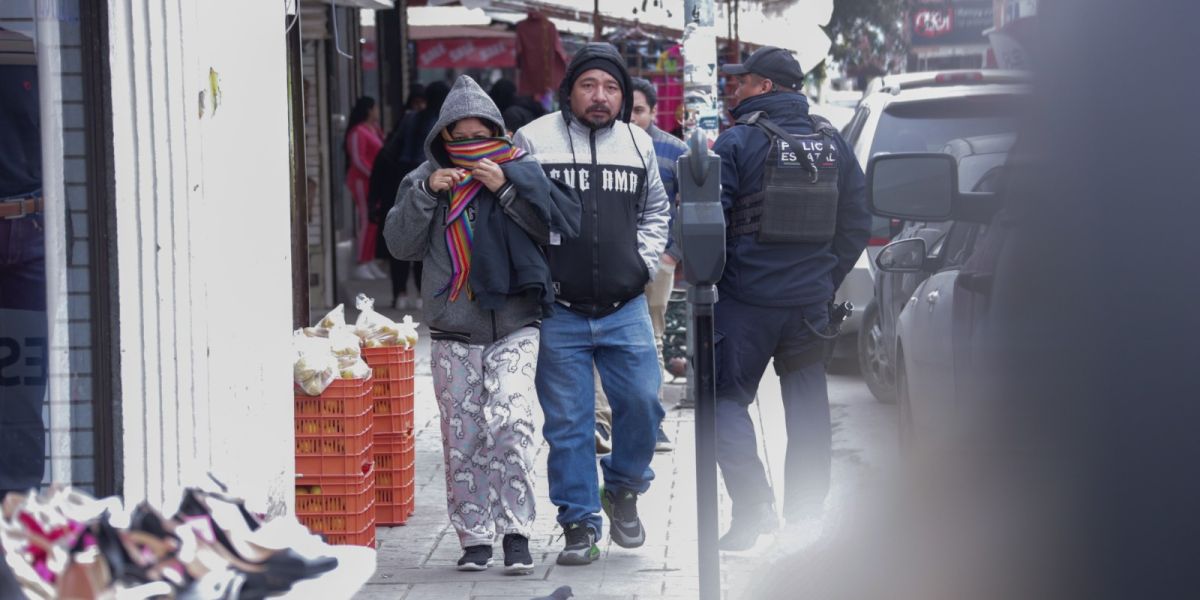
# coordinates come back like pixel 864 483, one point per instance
pixel 335 476
pixel 395 454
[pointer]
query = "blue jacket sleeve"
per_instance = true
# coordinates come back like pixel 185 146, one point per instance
pixel 853 220
pixel 726 147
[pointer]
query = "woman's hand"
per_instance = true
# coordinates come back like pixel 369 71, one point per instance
pixel 489 174
pixel 444 179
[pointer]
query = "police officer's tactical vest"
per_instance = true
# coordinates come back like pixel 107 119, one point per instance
pixel 799 199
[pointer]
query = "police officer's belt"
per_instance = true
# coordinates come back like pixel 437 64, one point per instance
pixel 15 209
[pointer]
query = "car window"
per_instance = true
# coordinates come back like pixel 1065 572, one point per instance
pixel 854 128
pixel 959 242
pixel 927 126
pixel 977 173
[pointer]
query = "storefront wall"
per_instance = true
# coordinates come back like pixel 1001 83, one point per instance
pixel 201 168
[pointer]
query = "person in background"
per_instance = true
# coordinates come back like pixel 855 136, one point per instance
pixel 386 174
pixel 476 212
pixel 364 139
pixel 518 110
pixel 658 291
pixel 23 322
pixel 602 321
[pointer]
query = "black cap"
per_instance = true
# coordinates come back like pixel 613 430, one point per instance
pixel 773 63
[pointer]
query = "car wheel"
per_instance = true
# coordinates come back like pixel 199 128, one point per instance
pixel 872 357
pixel 904 420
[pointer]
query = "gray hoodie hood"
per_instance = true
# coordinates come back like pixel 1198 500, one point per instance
pixel 466 99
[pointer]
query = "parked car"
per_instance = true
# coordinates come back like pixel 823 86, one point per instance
pixel 937 329
pixel 977 157
pixel 914 112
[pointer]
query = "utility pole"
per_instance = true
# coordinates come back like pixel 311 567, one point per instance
pixel 700 70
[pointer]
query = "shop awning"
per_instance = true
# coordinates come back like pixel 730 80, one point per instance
pixel 452 22
pixel 459 53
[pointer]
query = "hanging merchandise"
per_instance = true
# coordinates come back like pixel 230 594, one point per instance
pixel 541 59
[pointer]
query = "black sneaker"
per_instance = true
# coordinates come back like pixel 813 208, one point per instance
pixel 517 559
pixel 580 548
pixel 475 558
pixel 603 440
pixel 663 443
pixel 625 528
pixel 744 530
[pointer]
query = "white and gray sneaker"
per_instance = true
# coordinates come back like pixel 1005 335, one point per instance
pixel 580 548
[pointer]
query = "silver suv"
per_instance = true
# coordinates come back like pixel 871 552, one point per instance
pixel 914 112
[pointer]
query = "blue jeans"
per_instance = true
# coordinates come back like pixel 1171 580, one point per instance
pixel 621 345
pixel 748 337
pixel 22 352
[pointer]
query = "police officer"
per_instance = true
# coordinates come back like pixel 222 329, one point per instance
pixel 795 206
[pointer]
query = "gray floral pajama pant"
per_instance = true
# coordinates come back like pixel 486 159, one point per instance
pixel 485 395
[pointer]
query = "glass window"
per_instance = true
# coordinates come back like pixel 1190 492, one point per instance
pixel 47 257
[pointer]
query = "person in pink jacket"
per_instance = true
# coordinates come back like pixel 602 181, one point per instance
pixel 364 139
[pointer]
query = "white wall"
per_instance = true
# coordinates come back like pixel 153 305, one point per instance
pixel 203 244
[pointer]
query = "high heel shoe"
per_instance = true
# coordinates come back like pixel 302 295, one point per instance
pixel 234 532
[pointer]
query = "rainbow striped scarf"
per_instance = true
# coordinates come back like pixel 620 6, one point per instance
pixel 465 154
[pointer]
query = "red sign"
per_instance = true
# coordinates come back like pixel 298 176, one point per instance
pixel 933 22
pixel 458 54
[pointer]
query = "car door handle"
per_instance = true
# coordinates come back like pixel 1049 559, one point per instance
pixel 932 298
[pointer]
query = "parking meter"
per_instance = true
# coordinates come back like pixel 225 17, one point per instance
pixel 701 222
pixel 701 233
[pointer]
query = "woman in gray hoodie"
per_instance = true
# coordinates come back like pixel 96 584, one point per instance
pixel 477 212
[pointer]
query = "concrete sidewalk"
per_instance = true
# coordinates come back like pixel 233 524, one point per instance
pixel 417 561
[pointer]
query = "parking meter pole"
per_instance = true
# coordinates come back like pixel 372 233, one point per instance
pixel 705 388
pixel 701 235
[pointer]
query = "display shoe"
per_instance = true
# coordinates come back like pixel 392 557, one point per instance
pixel 227 527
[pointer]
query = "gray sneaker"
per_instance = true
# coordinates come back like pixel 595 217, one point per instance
pixel 625 528
pixel 580 548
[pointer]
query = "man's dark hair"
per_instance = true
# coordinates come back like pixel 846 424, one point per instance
pixel 646 88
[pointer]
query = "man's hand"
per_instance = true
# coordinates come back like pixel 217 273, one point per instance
pixel 668 260
pixel 489 174
pixel 444 179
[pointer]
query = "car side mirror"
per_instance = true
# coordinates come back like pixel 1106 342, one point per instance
pixel 903 256
pixel 914 186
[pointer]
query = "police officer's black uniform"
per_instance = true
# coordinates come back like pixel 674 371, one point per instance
pixel 797 221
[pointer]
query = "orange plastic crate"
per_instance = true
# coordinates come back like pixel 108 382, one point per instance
pixel 366 537
pixel 332 494
pixel 390 363
pixel 393 414
pixel 336 436
pixel 362 536
pixel 339 522
pixel 320 465
pixel 390 450
pixel 393 506
pixel 343 397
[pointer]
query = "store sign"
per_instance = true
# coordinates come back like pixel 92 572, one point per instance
pixel 951 25
pixel 461 54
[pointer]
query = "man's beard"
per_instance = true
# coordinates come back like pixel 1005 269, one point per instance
pixel 587 119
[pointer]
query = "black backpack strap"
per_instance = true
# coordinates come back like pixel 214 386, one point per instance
pixel 759 120
pixel 822 125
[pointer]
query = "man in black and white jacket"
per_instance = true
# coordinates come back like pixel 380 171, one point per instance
pixel 602 317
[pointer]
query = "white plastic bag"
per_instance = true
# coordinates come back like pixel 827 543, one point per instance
pixel 316 367
pixel 408 331
pixel 374 329
pixel 334 318
pixel 346 348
